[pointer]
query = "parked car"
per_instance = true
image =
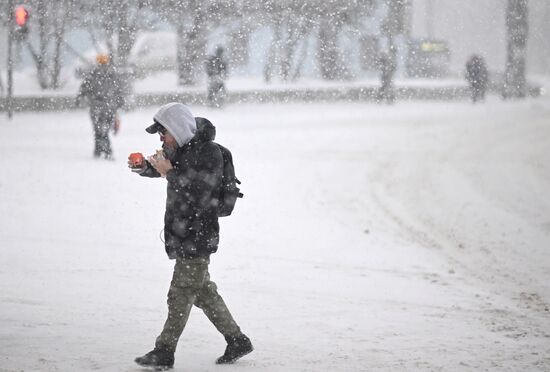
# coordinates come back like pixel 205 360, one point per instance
pixel 152 52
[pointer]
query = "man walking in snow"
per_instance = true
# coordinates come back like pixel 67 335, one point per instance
pixel 193 166
pixel 387 70
pixel 102 88
pixel 216 70
pixel 477 77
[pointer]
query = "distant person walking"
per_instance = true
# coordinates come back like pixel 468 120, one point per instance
pixel 216 70
pixel 102 88
pixel 195 169
pixel 477 77
pixel 387 70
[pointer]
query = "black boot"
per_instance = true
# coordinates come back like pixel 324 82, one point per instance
pixel 157 358
pixel 237 347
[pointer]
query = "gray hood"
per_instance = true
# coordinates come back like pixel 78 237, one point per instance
pixel 178 120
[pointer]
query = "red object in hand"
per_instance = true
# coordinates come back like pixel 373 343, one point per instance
pixel 136 159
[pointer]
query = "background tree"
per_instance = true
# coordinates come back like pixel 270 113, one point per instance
pixel 112 26
pixel 294 23
pixel 188 17
pixel 49 21
pixel 394 25
pixel 517 30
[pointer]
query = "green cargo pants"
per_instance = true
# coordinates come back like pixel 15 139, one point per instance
pixel 191 285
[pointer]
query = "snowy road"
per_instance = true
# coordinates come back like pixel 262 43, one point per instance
pixel 414 237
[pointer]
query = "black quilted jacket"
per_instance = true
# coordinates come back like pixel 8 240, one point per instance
pixel 191 226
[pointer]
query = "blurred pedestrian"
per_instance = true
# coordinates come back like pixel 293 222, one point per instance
pixel 193 165
pixel 477 77
pixel 387 70
pixel 216 70
pixel 102 88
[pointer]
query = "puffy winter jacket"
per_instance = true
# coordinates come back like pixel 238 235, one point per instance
pixel 191 226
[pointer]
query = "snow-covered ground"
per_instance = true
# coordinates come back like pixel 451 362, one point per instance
pixel 370 238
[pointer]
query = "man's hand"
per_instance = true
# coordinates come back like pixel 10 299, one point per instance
pixel 136 162
pixel 161 164
pixel 137 169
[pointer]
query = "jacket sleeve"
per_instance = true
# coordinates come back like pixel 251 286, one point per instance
pixel 149 171
pixel 197 183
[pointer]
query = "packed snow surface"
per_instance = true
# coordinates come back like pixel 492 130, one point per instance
pixel 413 237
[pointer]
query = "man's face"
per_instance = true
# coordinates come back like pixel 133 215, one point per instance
pixel 167 139
pixel 169 143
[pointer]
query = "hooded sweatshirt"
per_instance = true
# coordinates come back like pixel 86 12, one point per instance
pixel 178 120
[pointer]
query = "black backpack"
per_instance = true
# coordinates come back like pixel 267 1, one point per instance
pixel 229 191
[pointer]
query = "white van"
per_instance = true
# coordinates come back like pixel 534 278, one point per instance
pixel 153 51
